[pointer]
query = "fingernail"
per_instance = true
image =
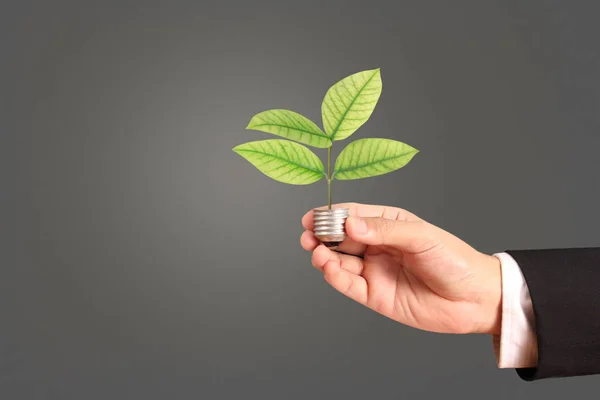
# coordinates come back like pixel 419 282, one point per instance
pixel 360 226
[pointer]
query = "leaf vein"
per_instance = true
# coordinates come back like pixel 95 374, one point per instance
pixel 350 106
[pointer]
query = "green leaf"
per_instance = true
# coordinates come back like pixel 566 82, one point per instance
pixel 282 160
pixel 349 103
pixel 364 158
pixel 290 125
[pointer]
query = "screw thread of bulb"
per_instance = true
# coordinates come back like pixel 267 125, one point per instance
pixel 329 226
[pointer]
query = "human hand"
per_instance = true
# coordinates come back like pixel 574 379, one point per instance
pixel 411 271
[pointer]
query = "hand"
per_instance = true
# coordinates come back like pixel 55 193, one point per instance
pixel 411 271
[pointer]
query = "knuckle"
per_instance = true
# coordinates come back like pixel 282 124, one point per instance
pixel 348 290
pixel 385 226
pixel 313 261
pixel 427 241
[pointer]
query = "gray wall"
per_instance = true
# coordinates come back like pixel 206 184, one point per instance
pixel 143 259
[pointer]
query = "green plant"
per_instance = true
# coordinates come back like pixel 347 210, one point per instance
pixel 346 107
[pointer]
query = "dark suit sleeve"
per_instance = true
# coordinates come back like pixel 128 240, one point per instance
pixel 564 285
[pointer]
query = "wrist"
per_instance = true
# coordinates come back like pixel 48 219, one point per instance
pixel 491 295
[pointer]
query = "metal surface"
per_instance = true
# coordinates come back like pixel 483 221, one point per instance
pixel 329 226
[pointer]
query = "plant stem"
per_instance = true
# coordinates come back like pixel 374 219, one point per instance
pixel 329 177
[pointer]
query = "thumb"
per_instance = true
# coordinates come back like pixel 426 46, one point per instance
pixel 406 235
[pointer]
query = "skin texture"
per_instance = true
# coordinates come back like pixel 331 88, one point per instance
pixel 411 271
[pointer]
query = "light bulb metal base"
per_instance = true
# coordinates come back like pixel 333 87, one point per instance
pixel 329 226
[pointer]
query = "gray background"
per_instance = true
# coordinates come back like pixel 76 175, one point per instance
pixel 143 259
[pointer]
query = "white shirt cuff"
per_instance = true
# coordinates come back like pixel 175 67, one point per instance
pixel 516 347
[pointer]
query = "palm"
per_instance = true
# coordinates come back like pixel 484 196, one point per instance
pixel 405 297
